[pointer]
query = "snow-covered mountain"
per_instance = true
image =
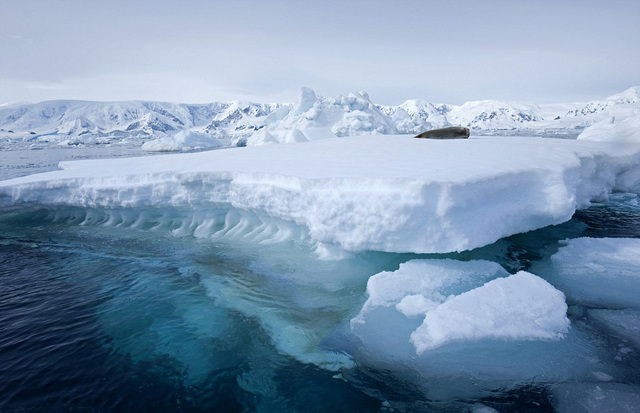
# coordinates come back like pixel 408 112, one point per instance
pixel 83 121
pixel 311 117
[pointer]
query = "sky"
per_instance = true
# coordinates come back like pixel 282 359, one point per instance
pixel 194 51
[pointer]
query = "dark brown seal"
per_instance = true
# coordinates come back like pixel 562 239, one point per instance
pixel 452 132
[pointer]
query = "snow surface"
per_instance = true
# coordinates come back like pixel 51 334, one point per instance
pixel 386 193
pixel 602 272
pixel 520 307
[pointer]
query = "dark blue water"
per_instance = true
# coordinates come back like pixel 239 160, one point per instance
pixel 97 317
pixel 102 320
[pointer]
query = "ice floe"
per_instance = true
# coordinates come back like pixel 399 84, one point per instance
pixel 624 324
pixel 387 193
pixel 596 398
pixel 454 322
pixel 600 272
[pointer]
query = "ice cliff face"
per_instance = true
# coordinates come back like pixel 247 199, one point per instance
pixel 311 117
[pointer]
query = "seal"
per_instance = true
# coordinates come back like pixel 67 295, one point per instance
pixel 452 132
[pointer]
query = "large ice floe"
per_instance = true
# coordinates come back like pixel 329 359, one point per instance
pixel 385 193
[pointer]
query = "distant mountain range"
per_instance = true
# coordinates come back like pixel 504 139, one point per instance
pixel 310 117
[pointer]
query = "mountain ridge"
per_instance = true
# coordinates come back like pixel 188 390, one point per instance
pixel 309 118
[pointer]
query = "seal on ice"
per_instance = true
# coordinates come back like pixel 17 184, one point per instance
pixel 452 132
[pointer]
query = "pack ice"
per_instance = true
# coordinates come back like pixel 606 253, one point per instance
pixel 385 193
pixel 597 272
pixel 452 321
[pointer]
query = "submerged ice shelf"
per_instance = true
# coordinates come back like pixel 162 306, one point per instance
pixel 384 193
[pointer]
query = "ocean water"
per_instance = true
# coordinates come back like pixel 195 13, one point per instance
pixel 135 310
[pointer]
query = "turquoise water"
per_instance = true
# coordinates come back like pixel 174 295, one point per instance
pixel 135 310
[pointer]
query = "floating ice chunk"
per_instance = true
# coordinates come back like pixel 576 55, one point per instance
pixel 622 323
pixel 614 129
pixel 596 398
pixel 423 283
pixel 519 307
pixel 456 323
pixel 457 307
pixel 481 408
pixel 603 272
pixel 185 140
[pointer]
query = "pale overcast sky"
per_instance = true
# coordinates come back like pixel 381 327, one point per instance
pixel 203 51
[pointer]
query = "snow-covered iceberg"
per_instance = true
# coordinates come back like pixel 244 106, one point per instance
pixel 385 193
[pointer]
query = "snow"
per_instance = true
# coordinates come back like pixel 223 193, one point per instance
pixel 520 307
pixel 184 141
pixel 237 123
pixel 614 129
pixel 385 193
pixel 601 272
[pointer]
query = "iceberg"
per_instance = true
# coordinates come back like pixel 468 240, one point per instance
pixel 386 193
